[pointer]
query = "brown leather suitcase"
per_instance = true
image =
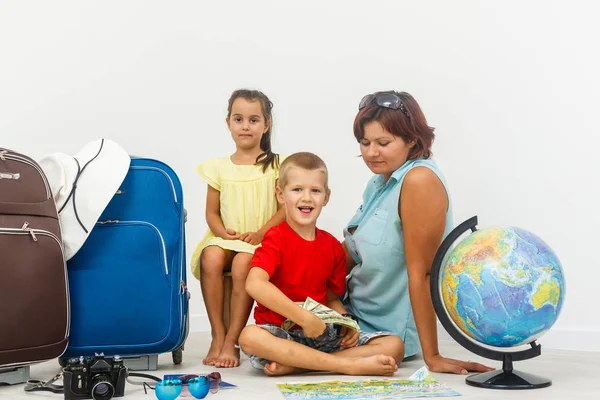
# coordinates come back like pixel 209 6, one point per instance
pixel 34 297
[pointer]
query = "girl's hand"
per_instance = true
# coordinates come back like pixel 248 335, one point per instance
pixel 230 234
pixel 253 238
pixel 313 327
pixel 350 337
pixel 438 363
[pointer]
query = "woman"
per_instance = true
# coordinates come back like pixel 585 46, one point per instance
pixel 391 241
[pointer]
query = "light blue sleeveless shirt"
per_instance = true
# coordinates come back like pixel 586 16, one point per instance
pixel 377 287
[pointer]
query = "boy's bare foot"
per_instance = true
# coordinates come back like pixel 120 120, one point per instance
pixel 229 357
pixel 373 365
pixel 213 353
pixel 276 369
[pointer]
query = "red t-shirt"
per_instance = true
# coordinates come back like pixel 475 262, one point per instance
pixel 299 268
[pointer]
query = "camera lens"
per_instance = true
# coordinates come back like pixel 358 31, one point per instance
pixel 102 389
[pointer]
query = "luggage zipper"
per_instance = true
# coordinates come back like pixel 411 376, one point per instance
pixel 165 174
pixel 34 233
pixel 184 296
pixel 184 289
pixel 162 241
pixel 5 155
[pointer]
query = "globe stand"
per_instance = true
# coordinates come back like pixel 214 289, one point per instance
pixel 506 378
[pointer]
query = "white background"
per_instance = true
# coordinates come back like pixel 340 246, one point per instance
pixel 511 87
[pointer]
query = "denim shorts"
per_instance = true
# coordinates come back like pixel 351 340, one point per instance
pixel 328 342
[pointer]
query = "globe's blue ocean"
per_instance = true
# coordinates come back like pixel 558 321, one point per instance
pixel 503 286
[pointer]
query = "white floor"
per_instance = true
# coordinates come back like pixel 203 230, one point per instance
pixel 575 375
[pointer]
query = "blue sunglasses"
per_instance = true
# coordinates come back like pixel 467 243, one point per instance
pixel 198 385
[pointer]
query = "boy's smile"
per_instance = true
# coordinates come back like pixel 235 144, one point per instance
pixel 305 210
pixel 303 197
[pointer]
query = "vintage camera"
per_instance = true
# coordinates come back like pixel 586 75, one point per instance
pixel 97 378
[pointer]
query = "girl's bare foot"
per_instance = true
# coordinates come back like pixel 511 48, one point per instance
pixel 276 369
pixel 229 357
pixel 373 365
pixel 213 353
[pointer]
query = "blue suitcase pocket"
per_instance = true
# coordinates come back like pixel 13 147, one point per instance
pixel 121 293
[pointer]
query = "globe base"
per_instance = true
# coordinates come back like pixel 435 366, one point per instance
pixel 508 380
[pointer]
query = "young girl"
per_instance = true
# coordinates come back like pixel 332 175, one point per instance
pixel 240 207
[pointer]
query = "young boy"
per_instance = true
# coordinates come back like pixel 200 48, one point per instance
pixel 297 260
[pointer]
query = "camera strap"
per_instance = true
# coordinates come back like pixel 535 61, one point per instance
pixel 33 385
pixel 143 383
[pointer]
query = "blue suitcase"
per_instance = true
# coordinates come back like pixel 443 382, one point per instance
pixel 128 282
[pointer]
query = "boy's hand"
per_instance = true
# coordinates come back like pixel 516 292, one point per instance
pixel 350 337
pixel 230 234
pixel 313 327
pixel 253 238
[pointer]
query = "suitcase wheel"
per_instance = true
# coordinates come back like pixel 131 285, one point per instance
pixel 177 356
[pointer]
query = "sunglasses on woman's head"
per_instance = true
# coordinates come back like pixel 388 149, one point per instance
pixel 387 100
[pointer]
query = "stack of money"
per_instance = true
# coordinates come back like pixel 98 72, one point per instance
pixel 324 313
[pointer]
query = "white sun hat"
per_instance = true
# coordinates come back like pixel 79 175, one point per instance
pixel 83 185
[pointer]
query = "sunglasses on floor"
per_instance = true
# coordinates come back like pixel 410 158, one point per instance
pixel 198 385
pixel 384 99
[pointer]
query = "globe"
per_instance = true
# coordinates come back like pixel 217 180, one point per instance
pixel 502 286
pixel 497 289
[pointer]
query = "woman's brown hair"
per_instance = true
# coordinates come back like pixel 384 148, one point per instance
pixel 410 124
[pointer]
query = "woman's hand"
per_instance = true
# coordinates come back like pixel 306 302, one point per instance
pixel 438 363
pixel 253 238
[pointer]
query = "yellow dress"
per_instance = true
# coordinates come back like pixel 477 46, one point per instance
pixel 248 201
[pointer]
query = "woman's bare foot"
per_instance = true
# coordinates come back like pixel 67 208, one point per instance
pixel 213 353
pixel 229 357
pixel 373 365
pixel 276 369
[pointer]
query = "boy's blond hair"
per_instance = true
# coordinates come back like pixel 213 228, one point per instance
pixel 304 160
